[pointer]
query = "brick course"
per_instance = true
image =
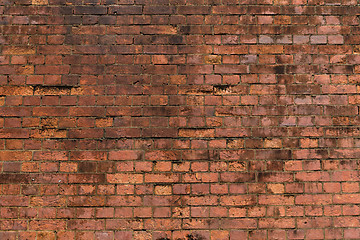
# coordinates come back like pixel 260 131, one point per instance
pixel 184 120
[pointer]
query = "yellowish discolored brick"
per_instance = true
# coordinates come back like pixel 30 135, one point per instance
pixel 281 2
pixel 276 188
pixel 104 122
pixel 77 91
pixel 49 123
pixel 163 190
pixel 237 166
pixel 235 143
pixel 2 101
pixel 48 90
pixel 25 70
pixel 354 99
pixel 272 143
pixel 357 49
pixel 40 2
pixel 18 50
pixel 30 167
pixel 212 59
pixel 48 133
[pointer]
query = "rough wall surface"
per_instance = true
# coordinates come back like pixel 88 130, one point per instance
pixel 179 119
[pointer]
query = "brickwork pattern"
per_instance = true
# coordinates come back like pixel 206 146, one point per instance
pixel 179 119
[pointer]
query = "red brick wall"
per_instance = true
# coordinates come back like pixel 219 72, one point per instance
pixel 174 119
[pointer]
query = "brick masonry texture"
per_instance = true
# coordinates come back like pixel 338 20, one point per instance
pixel 179 119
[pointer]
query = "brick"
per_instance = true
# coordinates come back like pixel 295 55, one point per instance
pixel 276 200
pixel 229 10
pixel 231 50
pixel 50 111
pixel 87 178
pixel 86 224
pixel 238 223
pixel 159 10
pixel 19 50
pixel 146 120
pixel 48 133
pixel 201 177
pixel 50 155
pixel 196 133
pixel 15 155
pixel 14 133
pixel 16 90
pixel 345 222
pixel 271 49
pixel 8 200
pixel 237 200
pixel 124 178
pixel 225 29
pixel 52 49
pixel 47 69
pixel 47 225
pixel 86 133
pixel 54 201
pixel 120 10
pixel 162 155
pixel 122 132
pixel 13 178
pixel 277 223
pixel 86 201
pixel 314 200
pixel 88 155
pixel 159 132
pixel 86 111
pixel 345 199
pixel 49 90
pixel 90 10
pixel 159 30
pixel 196 90
pixel 193 9
pixel 231 69
pixel 125 155
pixel 39 2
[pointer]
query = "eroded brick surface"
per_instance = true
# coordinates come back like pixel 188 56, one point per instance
pixel 184 120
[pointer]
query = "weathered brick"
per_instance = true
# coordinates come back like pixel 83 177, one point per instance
pixel 18 50
pixel 47 225
pixel 86 224
pixel 16 90
pixel 49 90
pixel 54 201
pixel 15 155
pixel 237 200
pixel 246 223
pixel 125 178
pixel 39 2
pixel 147 120
pixel 9 200
pixel 125 155
pixel 48 133
pixel 163 178
pixel 158 30
pixel 324 199
pixel 120 10
pixel 271 49
pixel 276 200
pixel 124 201
pixel 196 133
pixel 14 133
